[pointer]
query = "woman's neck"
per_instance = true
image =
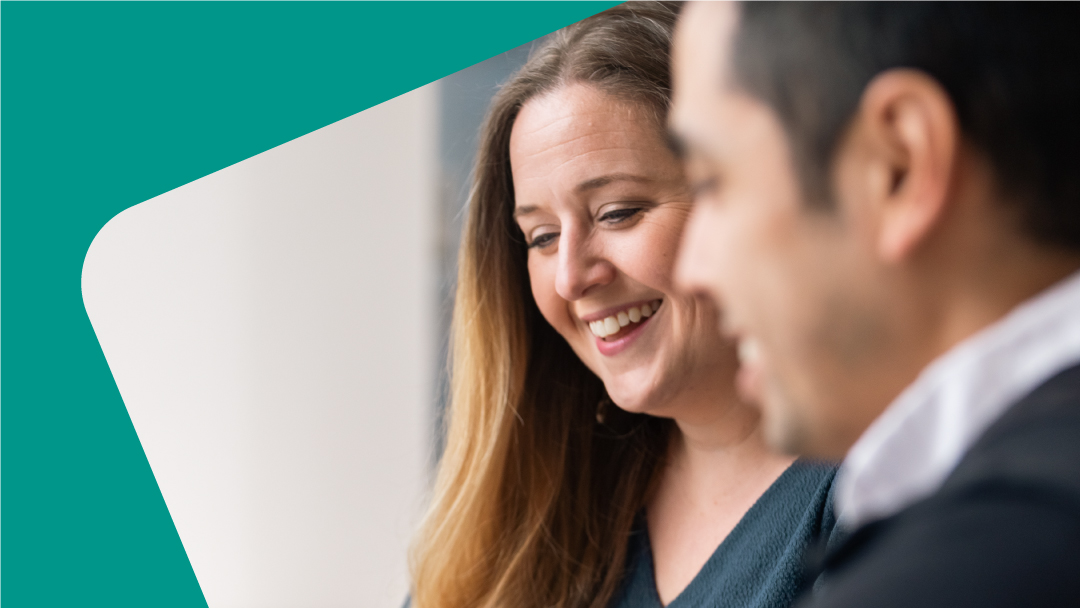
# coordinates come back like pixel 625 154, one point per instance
pixel 717 425
pixel 716 468
pixel 713 454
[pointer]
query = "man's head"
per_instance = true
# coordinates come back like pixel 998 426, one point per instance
pixel 874 183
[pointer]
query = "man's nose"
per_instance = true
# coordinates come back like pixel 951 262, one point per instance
pixel 582 265
pixel 690 267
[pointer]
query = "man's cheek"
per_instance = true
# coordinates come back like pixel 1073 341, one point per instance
pixel 702 247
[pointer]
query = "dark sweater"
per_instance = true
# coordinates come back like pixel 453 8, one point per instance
pixel 760 563
pixel 1003 530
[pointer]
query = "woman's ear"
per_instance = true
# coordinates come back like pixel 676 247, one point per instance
pixel 911 138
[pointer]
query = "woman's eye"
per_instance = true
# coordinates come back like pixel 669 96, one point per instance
pixel 619 215
pixel 543 240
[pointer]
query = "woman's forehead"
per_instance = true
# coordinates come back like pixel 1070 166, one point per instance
pixel 576 114
pixel 580 139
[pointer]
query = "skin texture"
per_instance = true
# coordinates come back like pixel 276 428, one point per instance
pixel 604 243
pixel 838 310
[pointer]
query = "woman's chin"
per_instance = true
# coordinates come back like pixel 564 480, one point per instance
pixel 635 403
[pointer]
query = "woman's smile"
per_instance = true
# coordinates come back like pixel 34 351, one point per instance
pixel 617 329
pixel 612 322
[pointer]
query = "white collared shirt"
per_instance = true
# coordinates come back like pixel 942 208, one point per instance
pixel 906 454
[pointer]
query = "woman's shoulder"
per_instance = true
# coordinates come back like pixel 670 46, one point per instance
pixel 806 482
pixel 815 482
pixel 799 505
pixel 815 472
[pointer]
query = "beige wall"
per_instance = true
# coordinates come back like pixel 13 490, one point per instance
pixel 270 329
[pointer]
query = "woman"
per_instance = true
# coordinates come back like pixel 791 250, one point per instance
pixel 598 453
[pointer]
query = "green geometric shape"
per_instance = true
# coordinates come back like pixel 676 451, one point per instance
pixel 106 105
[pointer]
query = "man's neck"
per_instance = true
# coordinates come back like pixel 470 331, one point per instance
pixel 986 293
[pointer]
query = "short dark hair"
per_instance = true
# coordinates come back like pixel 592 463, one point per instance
pixel 1012 71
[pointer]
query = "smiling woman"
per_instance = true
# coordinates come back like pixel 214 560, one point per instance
pixel 597 451
pixel 601 205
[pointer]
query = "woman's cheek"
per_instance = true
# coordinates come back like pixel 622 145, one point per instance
pixel 551 305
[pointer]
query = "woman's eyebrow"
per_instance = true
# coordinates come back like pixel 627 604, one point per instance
pixel 589 184
pixel 525 210
pixel 603 180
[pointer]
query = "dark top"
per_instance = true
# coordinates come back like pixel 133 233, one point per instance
pixel 760 563
pixel 1003 530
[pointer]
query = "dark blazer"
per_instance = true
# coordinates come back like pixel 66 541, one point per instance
pixel 1003 530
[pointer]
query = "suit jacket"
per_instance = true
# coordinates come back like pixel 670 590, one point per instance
pixel 1003 530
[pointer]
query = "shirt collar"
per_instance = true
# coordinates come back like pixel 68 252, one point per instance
pixel 906 454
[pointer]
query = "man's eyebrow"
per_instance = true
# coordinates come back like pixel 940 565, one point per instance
pixel 675 143
pixel 603 180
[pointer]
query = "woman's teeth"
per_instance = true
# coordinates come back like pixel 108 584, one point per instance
pixel 610 325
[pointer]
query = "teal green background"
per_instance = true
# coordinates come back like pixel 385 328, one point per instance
pixel 106 105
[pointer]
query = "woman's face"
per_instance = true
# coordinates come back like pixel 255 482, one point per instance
pixel 602 202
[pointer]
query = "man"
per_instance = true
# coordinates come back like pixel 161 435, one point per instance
pixel 888 213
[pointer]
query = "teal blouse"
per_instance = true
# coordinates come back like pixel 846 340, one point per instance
pixel 760 563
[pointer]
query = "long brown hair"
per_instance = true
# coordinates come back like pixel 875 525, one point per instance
pixel 539 485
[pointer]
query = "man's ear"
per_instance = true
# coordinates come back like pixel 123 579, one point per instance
pixel 911 125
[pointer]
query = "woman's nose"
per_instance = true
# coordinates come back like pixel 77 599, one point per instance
pixel 582 266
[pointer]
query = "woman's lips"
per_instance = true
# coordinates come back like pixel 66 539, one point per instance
pixel 620 340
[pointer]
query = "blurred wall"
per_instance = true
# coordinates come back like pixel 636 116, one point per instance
pixel 272 329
